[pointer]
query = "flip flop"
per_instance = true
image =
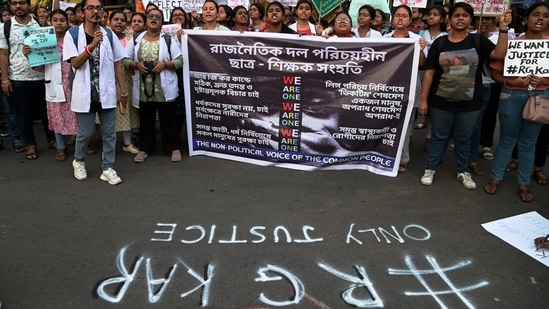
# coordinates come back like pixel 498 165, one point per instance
pixel 525 195
pixel 511 165
pixel 540 177
pixel 491 187
pixel 31 153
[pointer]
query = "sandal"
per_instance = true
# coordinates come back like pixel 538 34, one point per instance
pixel 60 155
pixel 403 168
pixel 31 153
pixel 487 154
pixel 525 194
pixel 52 144
pixel 492 187
pixel 19 147
pixel 540 177
pixel 511 165
pixel 475 168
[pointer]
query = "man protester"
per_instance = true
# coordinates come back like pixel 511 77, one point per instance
pixel 417 23
pixel 23 86
pixel 95 57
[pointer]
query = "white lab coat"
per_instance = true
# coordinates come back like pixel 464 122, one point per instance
pixel 168 78
pixel 81 92
pixel 54 83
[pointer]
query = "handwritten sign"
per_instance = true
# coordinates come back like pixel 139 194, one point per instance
pixel 411 3
pixel 520 231
pixel 43 44
pixel 64 5
pixel 527 57
pixel 171 29
pixel 487 7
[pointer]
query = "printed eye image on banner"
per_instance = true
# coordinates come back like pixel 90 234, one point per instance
pixel 299 102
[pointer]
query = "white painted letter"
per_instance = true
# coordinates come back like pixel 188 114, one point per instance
pixel 307 237
pixel 195 227
pixel 299 289
pixel 151 282
pixel 261 236
pixel 170 232
pixel 127 278
pixel 397 237
pixel 233 239
pixel 427 233
pixel 357 282
pixel 206 283
pixel 275 234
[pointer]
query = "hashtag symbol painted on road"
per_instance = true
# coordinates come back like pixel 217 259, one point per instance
pixel 512 69
pixel 441 272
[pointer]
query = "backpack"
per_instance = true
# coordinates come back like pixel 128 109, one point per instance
pixel 75 30
pixel 7 30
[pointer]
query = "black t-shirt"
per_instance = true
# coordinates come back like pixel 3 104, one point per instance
pixel 457 82
pixel 95 104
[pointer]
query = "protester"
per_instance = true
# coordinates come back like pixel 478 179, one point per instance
pixel 61 119
pixel 240 19
pixel 23 85
pixel 95 56
pixel 303 26
pixel 343 25
pixel 224 16
pixel 452 88
pixel 138 22
pixel 179 16
pixel 275 12
pixel 417 23
pixel 127 117
pixel 71 15
pixel 401 19
pixel 257 12
pixel 155 61
pixel 436 19
pixel 43 16
pixel 6 14
pixel 366 14
pixel 379 21
pixel 209 17
pixel 514 130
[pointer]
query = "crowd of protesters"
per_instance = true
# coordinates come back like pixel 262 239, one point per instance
pixel 84 95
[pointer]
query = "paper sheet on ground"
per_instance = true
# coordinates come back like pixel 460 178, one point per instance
pixel 520 232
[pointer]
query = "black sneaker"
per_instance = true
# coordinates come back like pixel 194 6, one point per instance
pixel 4 131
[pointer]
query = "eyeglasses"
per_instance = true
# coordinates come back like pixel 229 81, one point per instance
pixel 16 3
pixel 93 8
pixel 403 16
pixel 178 15
pixel 363 15
pixel 343 20
pixel 154 16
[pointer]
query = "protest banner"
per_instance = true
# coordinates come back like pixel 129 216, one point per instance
pixel 488 7
pixel 43 44
pixel 527 57
pixel 376 4
pixel 299 102
pixel 324 7
pixel 411 3
pixel 171 29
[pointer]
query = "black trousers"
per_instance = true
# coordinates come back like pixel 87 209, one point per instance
pixel 168 125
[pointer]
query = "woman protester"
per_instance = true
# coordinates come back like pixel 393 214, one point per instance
pixel 257 13
pixel 138 21
pixel 303 26
pixel 514 130
pixel 210 10
pixel 179 16
pixel 155 59
pixel 342 25
pixel 240 19
pixel 127 117
pixel 61 119
pixel 402 17
pixel 275 16
pixel 224 16
pixel 378 20
pixel 366 13
pixel 452 88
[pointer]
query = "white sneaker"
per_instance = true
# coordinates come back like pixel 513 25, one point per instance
pixel 466 180
pixel 110 176
pixel 80 172
pixel 427 178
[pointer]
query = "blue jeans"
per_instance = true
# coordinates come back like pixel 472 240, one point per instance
pixel 475 137
pixel 516 131
pixel 28 99
pixel 11 117
pixel 442 123
pixel 86 128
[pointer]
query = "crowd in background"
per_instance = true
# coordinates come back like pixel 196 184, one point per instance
pixel 452 119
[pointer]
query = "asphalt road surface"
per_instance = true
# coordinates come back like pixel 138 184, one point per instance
pixel 214 233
